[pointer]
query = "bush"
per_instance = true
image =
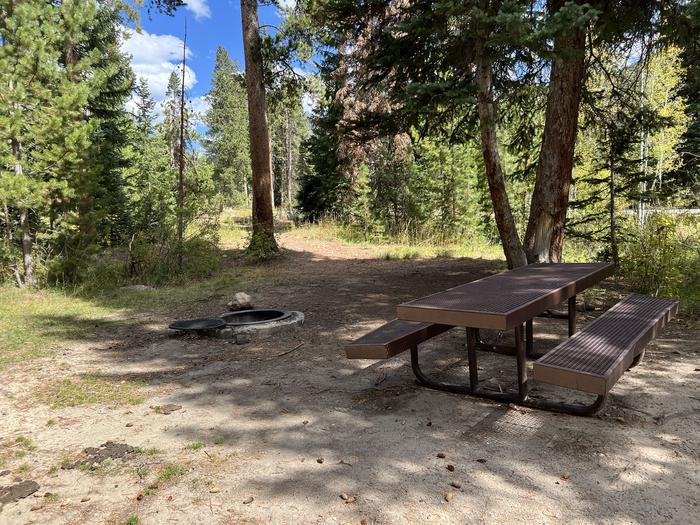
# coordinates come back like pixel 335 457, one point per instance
pixel 663 258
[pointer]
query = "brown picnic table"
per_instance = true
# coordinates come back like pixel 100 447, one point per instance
pixel 591 360
pixel 504 301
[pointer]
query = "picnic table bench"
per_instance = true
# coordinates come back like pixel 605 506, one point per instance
pixel 591 360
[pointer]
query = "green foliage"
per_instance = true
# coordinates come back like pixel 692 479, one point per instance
pixel 227 142
pixel 663 258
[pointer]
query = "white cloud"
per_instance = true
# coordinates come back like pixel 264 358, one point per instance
pixel 154 57
pixel 199 8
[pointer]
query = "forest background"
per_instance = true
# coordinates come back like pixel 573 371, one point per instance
pixel 379 129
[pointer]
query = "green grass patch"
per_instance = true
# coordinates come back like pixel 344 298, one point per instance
pixel 194 446
pixel 133 520
pixel 170 472
pixel 89 390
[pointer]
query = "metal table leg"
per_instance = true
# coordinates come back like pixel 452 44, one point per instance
pixel 522 363
pixel 472 340
pixel 529 343
pixel 572 315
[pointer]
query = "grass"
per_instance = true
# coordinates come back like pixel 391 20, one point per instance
pixel 89 390
pixel 194 446
pixel 169 473
pixel 133 520
pixel 151 451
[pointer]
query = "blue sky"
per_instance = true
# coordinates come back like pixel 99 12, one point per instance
pixel 210 24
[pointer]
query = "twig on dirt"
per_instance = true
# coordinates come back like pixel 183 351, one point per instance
pixel 297 347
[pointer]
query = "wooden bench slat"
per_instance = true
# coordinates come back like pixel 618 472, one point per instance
pixel 392 338
pixel 597 356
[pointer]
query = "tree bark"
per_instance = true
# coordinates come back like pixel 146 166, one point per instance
pixel 290 161
pixel 544 238
pixel 512 247
pixel 263 239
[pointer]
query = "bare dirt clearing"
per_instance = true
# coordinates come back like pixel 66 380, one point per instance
pixel 264 436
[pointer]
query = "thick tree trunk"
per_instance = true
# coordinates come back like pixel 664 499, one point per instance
pixel 512 247
pixel 544 238
pixel 263 239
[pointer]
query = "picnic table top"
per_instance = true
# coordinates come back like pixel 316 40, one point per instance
pixel 505 300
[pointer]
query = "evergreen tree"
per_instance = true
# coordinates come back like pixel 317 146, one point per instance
pixel 226 141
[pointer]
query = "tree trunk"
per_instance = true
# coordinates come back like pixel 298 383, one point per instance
pixel 181 168
pixel 512 247
pixel 613 226
pixel 290 161
pixel 27 247
pixel 263 239
pixel 544 238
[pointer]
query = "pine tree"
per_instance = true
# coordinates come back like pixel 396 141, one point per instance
pixel 44 134
pixel 226 142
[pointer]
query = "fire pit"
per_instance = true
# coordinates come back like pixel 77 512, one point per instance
pixel 243 326
pixel 252 317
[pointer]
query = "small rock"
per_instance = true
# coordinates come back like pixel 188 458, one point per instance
pixel 344 496
pixel 351 499
pixel 48 494
pixel 243 339
pixel 240 301
pixel 429 424
pixel 481 460
pixel 167 409
pixel 214 490
pixel 129 424
pixel 566 476
pixel 620 419
pixel 85 499
pixel 248 500
pixel 36 507
pixel 451 468
pixel 140 496
pixel 441 455
pixel 449 496
pixel 456 484
pixel 319 460
pixel 305 422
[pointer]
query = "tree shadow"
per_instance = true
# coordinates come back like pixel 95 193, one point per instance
pixel 379 433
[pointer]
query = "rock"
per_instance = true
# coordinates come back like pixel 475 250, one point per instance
pixel 344 496
pixel 449 496
pixel 85 500
pixel 456 484
pixel 214 490
pixel 481 460
pixel 140 496
pixel 243 339
pixel 351 499
pixel 451 468
pixel 566 476
pixel 441 455
pixel 305 422
pixel 166 409
pixel 248 500
pixel 138 288
pixel 241 301
pixel 18 491
pixel 319 460
pixel 96 455
pixel 129 424
pixel 4 473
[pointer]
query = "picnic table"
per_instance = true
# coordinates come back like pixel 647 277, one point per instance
pixel 505 301
pixel 590 361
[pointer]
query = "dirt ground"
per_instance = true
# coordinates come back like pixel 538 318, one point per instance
pixel 277 436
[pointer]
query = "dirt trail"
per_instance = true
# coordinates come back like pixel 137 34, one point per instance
pixel 264 438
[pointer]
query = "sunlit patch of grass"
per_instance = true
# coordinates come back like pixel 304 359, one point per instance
pixel 133 520
pixel 194 446
pixel 24 468
pixel 169 473
pixel 151 451
pixel 89 390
